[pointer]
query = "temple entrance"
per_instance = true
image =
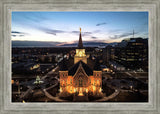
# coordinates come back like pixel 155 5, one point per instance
pixel 80 92
pixel 81 97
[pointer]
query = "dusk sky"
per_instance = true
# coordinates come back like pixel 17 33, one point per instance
pixel 64 26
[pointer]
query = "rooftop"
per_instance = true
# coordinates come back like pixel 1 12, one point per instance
pixel 74 68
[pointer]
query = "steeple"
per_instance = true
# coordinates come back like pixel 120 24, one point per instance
pixel 80 44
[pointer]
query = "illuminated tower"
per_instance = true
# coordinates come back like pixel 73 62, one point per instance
pixel 80 52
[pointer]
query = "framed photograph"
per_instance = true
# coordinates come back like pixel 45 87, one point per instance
pixel 80 56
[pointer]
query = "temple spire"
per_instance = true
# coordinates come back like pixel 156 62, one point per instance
pixel 80 44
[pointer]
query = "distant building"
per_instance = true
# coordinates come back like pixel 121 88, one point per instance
pixel 25 68
pixel 131 53
pixel 107 54
pixel 80 80
pixel 117 67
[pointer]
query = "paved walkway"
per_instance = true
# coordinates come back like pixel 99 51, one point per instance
pixel 51 72
pixel 26 93
pixel 52 86
pixel 129 74
pixel 23 95
pixel 52 97
pixel 109 97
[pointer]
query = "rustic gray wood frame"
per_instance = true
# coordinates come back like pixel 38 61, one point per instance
pixel 152 6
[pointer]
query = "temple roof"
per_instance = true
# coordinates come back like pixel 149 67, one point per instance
pixel 97 65
pixel 80 44
pixel 74 68
pixel 63 65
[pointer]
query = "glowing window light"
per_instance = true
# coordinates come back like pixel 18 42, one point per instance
pixel 70 89
pixel 80 92
pixel 97 82
pixel 94 88
pixel 86 90
pixel 63 82
pixel 60 89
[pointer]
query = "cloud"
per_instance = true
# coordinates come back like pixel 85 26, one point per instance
pixel 122 35
pixel 76 32
pixel 17 33
pixel 21 35
pixel 34 44
pixel 113 37
pixel 51 31
pixel 35 17
pixel 86 33
pixel 96 31
pixel 114 30
pixel 99 24
pixel 14 35
pixel 83 33
pixel 93 37
pixel 127 34
pixel 89 43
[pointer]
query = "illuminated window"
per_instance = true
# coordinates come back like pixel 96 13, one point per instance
pixel 76 51
pixel 98 82
pixel 80 53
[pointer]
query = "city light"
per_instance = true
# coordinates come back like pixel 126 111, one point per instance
pixel 100 62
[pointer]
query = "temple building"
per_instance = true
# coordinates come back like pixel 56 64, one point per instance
pixel 80 80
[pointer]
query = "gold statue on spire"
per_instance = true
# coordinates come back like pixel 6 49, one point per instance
pixel 80 29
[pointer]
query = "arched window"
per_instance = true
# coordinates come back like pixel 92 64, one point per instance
pixel 98 83
pixel 63 82
pixel 84 82
pixel 80 82
pixel 90 81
